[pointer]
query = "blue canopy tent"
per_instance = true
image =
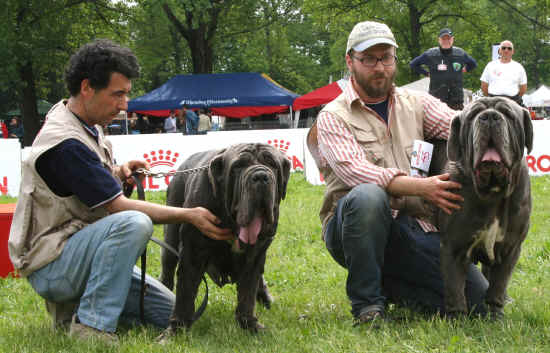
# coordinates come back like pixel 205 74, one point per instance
pixel 233 95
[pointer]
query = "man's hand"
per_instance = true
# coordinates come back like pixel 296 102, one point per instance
pixel 206 222
pixel 437 190
pixel 124 172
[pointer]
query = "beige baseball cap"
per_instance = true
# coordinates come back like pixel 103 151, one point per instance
pixel 366 34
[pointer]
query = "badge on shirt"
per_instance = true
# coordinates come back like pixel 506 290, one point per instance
pixel 441 67
pixel 457 66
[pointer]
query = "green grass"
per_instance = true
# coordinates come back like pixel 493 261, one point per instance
pixel 311 311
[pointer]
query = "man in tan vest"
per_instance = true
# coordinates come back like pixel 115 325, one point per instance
pixel 74 235
pixel 365 141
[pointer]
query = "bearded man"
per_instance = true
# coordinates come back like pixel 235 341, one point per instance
pixel 365 141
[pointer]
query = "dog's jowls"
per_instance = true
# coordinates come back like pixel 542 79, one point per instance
pixel 243 186
pixel 486 151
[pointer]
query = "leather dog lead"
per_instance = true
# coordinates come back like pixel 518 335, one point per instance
pixel 127 190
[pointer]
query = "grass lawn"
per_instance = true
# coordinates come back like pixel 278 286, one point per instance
pixel 311 310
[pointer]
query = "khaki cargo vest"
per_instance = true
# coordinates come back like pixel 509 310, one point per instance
pixel 386 147
pixel 43 221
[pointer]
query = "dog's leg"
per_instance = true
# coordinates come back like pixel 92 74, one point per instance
pixel 263 296
pixel 499 275
pixel 247 289
pixel 169 261
pixel 190 272
pixel 453 270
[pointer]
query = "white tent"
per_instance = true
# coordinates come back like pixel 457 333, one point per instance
pixel 539 98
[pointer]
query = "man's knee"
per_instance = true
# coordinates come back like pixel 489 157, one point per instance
pixel 136 223
pixel 140 221
pixel 368 197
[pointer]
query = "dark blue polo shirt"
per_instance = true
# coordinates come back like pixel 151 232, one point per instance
pixel 71 168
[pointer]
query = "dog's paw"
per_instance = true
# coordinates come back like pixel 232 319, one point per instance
pixel 454 315
pixel 251 324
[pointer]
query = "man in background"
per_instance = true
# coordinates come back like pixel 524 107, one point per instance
pixel 205 122
pixel 170 123
pixel 504 77
pixel 191 121
pixel 446 65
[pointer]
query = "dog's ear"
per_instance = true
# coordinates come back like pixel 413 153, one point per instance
pixel 527 130
pixel 283 175
pixel 215 171
pixel 453 144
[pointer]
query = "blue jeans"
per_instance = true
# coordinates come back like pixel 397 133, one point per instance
pixel 97 269
pixel 390 259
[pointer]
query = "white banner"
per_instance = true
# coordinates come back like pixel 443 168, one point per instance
pixel 165 152
pixel 538 160
pixel 10 169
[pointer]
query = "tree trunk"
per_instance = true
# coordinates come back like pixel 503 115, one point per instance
pixel 414 44
pixel 199 39
pixel 29 110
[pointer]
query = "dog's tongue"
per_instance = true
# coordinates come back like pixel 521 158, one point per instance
pixel 249 234
pixel 491 155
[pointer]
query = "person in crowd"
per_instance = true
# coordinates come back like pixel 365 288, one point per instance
pixel 133 124
pixel 205 122
pixel 79 245
pixel 504 77
pixel 191 121
pixel 3 129
pixel 365 139
pixel 15 129
pixel 143 124
pixel 180 121
pixel 170 123
pixel 446 65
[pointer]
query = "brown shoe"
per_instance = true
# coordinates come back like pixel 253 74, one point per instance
pixel 61 313
pixel 373 318
pixel 84 332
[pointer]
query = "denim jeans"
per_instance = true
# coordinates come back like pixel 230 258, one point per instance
pixel 97 269
pixel 390 259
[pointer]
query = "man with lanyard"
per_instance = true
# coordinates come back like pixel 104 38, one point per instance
pixel 446 65
pixel 504 77
pixel 74 235
pixel 365 139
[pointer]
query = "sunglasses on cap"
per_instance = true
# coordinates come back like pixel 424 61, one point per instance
pixel 506 48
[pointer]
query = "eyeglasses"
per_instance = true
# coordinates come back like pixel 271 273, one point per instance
pixel 506 48
pixel 372 61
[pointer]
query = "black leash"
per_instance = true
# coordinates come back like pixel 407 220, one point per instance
pixel 127 190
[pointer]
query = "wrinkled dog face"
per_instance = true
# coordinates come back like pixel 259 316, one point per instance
pixel 254 177
pixel 487 139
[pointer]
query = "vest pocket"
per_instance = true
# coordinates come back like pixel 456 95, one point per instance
pixel 372 147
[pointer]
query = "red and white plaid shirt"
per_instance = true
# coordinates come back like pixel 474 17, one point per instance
pixel 339 149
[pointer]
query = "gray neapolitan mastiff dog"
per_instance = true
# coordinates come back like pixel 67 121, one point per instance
pixel 486 155
pixel 242 186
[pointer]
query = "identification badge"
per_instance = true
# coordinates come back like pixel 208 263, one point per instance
pixel 421 157
pixel 441 67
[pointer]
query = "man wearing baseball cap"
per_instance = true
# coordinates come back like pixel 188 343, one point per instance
pixel 365 138
pixel 445 65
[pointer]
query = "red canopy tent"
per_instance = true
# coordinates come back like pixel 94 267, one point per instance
pixel 321 95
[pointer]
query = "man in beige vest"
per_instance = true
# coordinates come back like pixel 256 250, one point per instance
pixel 74 235
pixel 365 140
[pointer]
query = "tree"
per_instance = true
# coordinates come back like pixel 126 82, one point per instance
pixel 198 27
pixel 37 37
